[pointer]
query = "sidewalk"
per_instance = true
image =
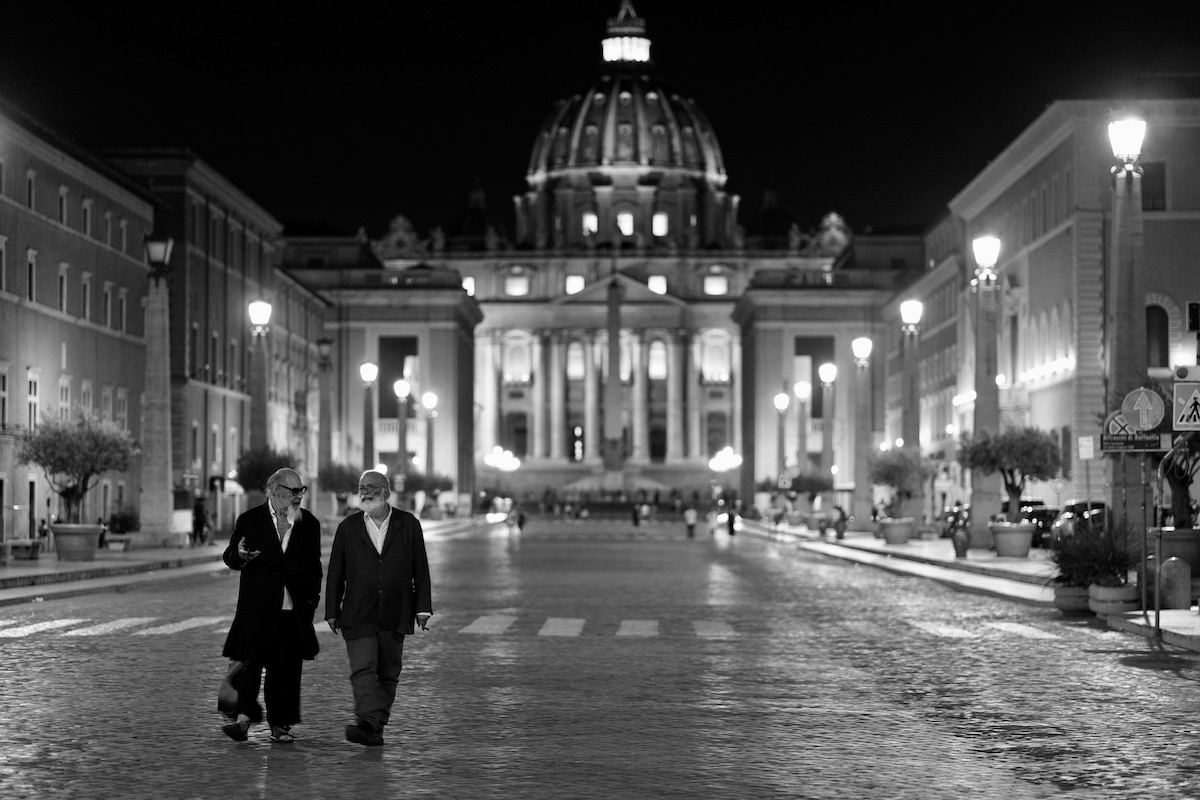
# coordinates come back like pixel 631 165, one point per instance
pixel 46 577
pixel 1026 580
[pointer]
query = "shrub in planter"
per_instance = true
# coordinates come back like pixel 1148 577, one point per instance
pixel 124 520
pixel 903 470
pixel 1018 454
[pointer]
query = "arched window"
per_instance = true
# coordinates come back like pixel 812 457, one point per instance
pixel 560 145
pixel 1158 352
pixel 660 151
pixel 657 368
pixel 624 142
pixel 714 360
pixel 575 363
pixel 516 362
pixel 591 138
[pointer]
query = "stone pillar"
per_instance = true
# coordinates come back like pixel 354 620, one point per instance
pixel 694 399
pixel 735 387
pixel 638 380
pixel 488 392
pixel 538 448
pixel 558 399
pixel 593 444
pixel 157 502
pixel 675 401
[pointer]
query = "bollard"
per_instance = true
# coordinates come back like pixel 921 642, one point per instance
pixel 1176 584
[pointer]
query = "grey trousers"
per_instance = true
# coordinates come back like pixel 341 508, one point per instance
pixel 374 673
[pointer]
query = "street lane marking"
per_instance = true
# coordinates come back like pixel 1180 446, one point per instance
pixel 498 623
pixel 1028 631
pixel 176 627
pixel 562 626
pixel 943 631
pixel 638 627
pixel 713 628
pixel 37 627
pixel 110 627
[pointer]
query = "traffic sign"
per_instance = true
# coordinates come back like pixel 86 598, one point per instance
pixel 1186 408
pixel 1143 409
pixel 1118 436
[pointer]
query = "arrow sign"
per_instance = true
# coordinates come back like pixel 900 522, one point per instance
pixel 1143 409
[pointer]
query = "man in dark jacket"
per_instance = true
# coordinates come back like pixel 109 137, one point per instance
pixel 377 587
pixel 277 549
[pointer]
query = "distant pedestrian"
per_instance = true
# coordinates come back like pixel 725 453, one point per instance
pixel 689 519
pixel 732 519
pixel 839 522
pixel 637 515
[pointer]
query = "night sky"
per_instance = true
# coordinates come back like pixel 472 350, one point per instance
pixel 335 117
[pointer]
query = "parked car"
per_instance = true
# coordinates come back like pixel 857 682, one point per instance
pixel 1090 511
pixel 1043 517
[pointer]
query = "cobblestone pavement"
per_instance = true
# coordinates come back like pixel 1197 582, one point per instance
pixel 588 661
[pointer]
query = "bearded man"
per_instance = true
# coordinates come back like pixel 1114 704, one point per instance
pixel 376 591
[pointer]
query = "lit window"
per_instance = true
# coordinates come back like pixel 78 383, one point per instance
pixel 575 364
pixel 469 286
pixel 657 284
pixel 516 284
pixel 716 284
pixel 575 284
pixel 590 223
pixel 516 363
pixel 660 223
pixel 657 368
pixel 625 223
pixel 715 361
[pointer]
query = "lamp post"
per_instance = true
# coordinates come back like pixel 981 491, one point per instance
pixel 827 372
pixel 368 371
pixel 781 405
pixel 910 425
pixel 985 489
pixel 402 389
pixel 260 316
pixel 861 502
pixel 803 391
pixel 429 403
pixel 157 467
pixel 1125 303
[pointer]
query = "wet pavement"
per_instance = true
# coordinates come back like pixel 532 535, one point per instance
pixel 595 661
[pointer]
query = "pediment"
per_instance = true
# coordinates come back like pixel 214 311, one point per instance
pixel 635 293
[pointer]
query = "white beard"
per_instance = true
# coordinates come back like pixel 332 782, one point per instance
pixel 371 507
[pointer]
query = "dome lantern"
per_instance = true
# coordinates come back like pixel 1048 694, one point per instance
pixel 626 40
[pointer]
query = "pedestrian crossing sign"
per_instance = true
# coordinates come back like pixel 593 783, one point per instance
pixel 1187 406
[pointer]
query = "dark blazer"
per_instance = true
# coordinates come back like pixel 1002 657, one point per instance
pixel 367 591
pixel 260 594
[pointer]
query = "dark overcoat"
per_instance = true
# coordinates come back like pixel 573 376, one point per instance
pixel 260 594
pixel 368 591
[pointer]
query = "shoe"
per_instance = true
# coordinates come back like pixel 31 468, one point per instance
pixel 363 736
pixel 237 730
pixel 282 734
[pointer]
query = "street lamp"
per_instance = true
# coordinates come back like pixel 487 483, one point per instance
pixel 827 372
pixel 861 502
pixel 157 467
pixel 402 388
pixel 803 391
pixel 429 403
pixel 985 489
pixel 368 372
pixel 781 405
pixel 260 315
pixel 910 424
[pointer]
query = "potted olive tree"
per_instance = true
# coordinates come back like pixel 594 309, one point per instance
pixel 903 470
pixel 1019 455
pixel 74 456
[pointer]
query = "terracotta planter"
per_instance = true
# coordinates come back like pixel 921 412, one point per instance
pixel 961 539
pixel 1105 600
pixel 1012 540
pixel 1071 599
pixel 75 542
pixel 897 531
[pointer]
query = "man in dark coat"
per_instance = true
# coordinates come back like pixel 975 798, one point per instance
pixel 277 548
pixel 376 589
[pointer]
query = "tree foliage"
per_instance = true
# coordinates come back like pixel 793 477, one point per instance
pixel 1018 454
pixel 341 479
pixel 255 466
pixel 811 483
pixel 902 469
pixel 74 455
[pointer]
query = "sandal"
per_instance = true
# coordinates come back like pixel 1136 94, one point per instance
pixel 282 734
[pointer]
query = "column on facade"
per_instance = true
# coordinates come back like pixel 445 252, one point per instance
pixel 735 386
pixel 538 447
pixel 558 397
pixel 593 446
pixel 638 380
pixel 693 396
pixel 675 378
pixel 487 392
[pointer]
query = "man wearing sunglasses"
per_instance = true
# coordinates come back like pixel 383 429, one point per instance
pixel 277 549
pixel 377 591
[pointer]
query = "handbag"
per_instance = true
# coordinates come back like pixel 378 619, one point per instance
pixel 227 695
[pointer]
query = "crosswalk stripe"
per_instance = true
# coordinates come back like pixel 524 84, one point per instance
pixel 638 627
pixel 37 627
pixel 1028 631
pixel 176 627
pixel 110 627
pixel 712 628
pixel 498 623
pixel 562 626
pixel 942 630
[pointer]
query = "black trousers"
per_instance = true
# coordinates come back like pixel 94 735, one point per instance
pixel 281 691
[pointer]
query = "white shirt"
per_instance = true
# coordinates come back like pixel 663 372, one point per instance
pixel 378 530
pixel 287 537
